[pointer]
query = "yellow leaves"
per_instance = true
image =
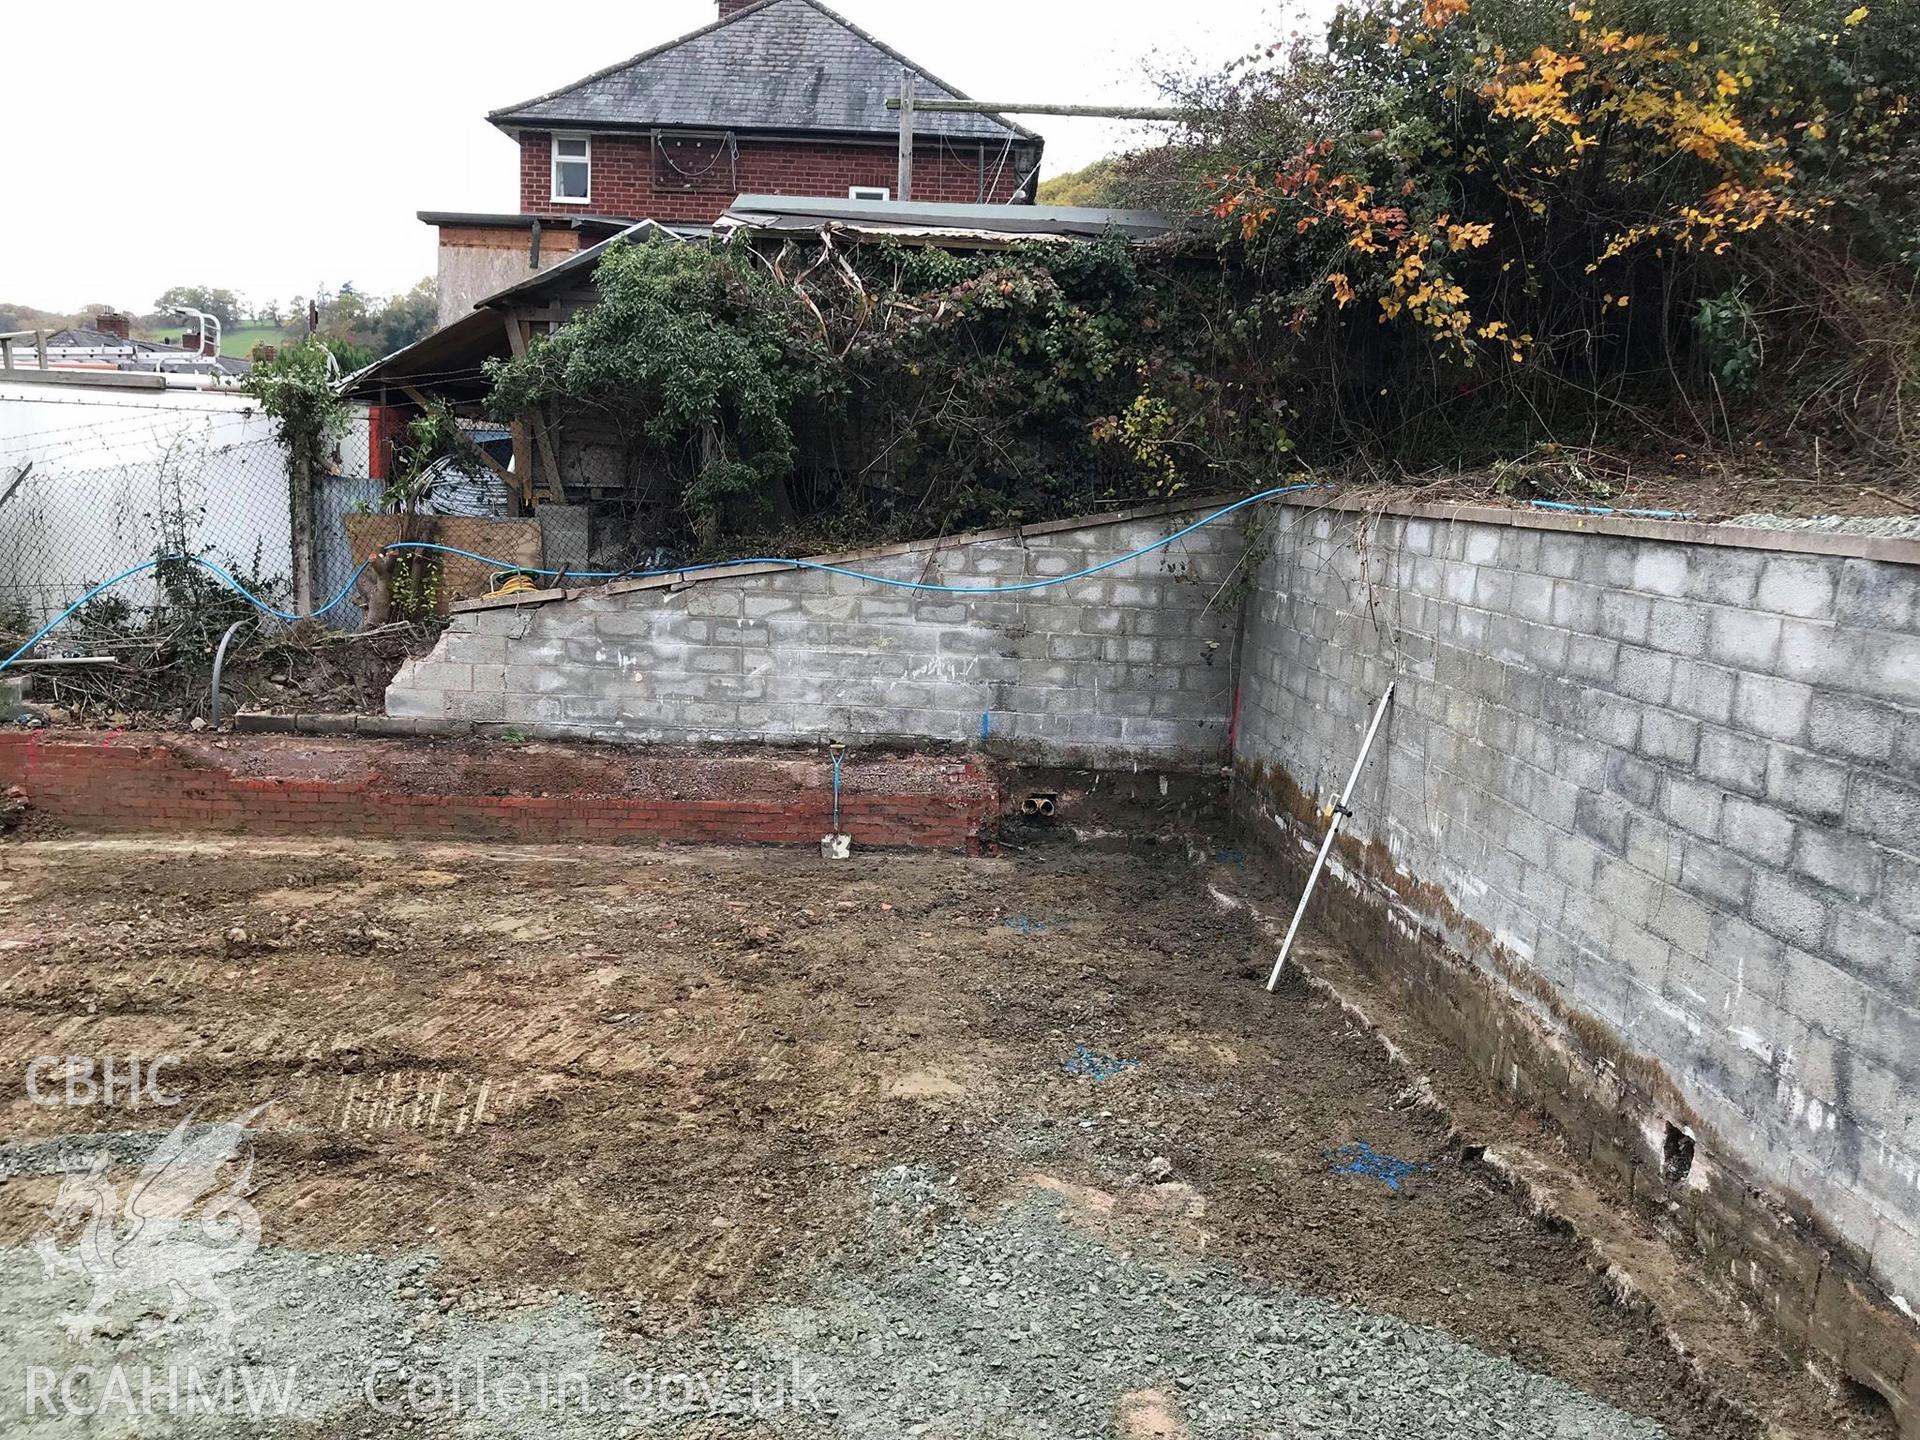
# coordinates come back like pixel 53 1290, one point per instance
pixel 1854 17
pixel 1726 86
pixel 1438 14
pixel 1467 236
pixel 1579 16
pixel 1342 289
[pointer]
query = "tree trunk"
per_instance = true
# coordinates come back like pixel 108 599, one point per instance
pixel 300 498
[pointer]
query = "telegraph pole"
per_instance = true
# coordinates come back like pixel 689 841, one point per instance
pixel 904 190
pixel 906 104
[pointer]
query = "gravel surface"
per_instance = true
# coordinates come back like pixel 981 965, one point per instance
pixel 1896 527
pixel 1022 1322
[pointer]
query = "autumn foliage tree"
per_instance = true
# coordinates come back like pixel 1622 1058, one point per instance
pixel 1479 224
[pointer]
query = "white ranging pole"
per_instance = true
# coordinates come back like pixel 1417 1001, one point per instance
pixel 1340 812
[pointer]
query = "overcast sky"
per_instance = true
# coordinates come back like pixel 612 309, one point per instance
pixel 323 129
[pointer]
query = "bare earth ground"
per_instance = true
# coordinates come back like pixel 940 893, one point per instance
pixel 719 1113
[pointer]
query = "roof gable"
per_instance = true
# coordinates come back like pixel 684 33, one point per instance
pixel 781 65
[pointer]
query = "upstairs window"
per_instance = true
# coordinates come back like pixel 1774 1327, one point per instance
pixel 572 169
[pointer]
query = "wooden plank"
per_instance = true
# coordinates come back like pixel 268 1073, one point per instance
pixel 522 462
pixel 519 339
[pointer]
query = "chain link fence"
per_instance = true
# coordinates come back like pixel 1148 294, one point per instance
pixel 92 487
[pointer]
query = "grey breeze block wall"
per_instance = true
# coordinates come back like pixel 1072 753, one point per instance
pixel 1679 782
pixel 1137 661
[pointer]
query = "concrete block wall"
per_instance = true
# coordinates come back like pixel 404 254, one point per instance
pixel 1665 785
pixel 1135 662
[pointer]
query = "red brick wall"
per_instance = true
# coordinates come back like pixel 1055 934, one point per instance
pixel 623 175
pixel 152 783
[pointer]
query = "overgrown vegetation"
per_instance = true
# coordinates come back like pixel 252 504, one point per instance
pixel 1550 242
pixel 858 392
pixel 296 388
pixel 1470 228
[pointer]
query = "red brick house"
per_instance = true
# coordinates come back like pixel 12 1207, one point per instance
pixel 775 97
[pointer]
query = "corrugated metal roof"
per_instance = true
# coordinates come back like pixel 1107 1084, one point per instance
pixel 446 363
pixel 782 65
pixel 791 213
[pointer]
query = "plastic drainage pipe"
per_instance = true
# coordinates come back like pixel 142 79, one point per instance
pixel 1572 509
pixel 1340 812
pixel 219 664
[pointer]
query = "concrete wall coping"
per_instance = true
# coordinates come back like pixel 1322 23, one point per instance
pixel 1680 532
pixel 1888 549
pixel 680 579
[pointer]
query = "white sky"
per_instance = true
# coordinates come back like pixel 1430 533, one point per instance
pixel 328 127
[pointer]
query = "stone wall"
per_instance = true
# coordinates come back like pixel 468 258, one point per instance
pixel 1662 791
pixel 1135 662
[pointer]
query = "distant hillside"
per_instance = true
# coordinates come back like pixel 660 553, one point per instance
pixel 1094 184
pixel 237 340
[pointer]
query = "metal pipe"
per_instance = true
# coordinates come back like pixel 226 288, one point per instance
pixel 1046 808
pixel 1029 806
pixel 1340 812
pixel 219 664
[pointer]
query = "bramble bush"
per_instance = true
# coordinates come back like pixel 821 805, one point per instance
pixel 1463 227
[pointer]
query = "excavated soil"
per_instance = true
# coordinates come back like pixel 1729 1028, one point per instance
pixel 663 1089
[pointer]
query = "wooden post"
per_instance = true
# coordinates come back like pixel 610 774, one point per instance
pixel 300 531
pixel 904 191
pixel 522 464
pixel 520 339
pixel 40 342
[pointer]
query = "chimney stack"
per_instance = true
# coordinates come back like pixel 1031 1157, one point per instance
pixel 112 322
pixel 730 8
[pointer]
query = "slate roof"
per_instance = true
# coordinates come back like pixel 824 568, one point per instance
pixel 781 65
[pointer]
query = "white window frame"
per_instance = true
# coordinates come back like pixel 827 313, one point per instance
pixel 553 168
pixel 869 192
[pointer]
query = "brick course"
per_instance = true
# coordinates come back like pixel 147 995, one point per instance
pixel 623 175
pixel 450 792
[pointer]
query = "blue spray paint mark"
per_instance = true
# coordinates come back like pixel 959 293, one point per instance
pixel 1228 857
pixel 1025 926
pixel 1094 1065
pixel 986 724
pixel 1360 1158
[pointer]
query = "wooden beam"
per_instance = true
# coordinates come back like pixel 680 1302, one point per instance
pixel 519 339
pixel 1097 112
pixel 523 463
